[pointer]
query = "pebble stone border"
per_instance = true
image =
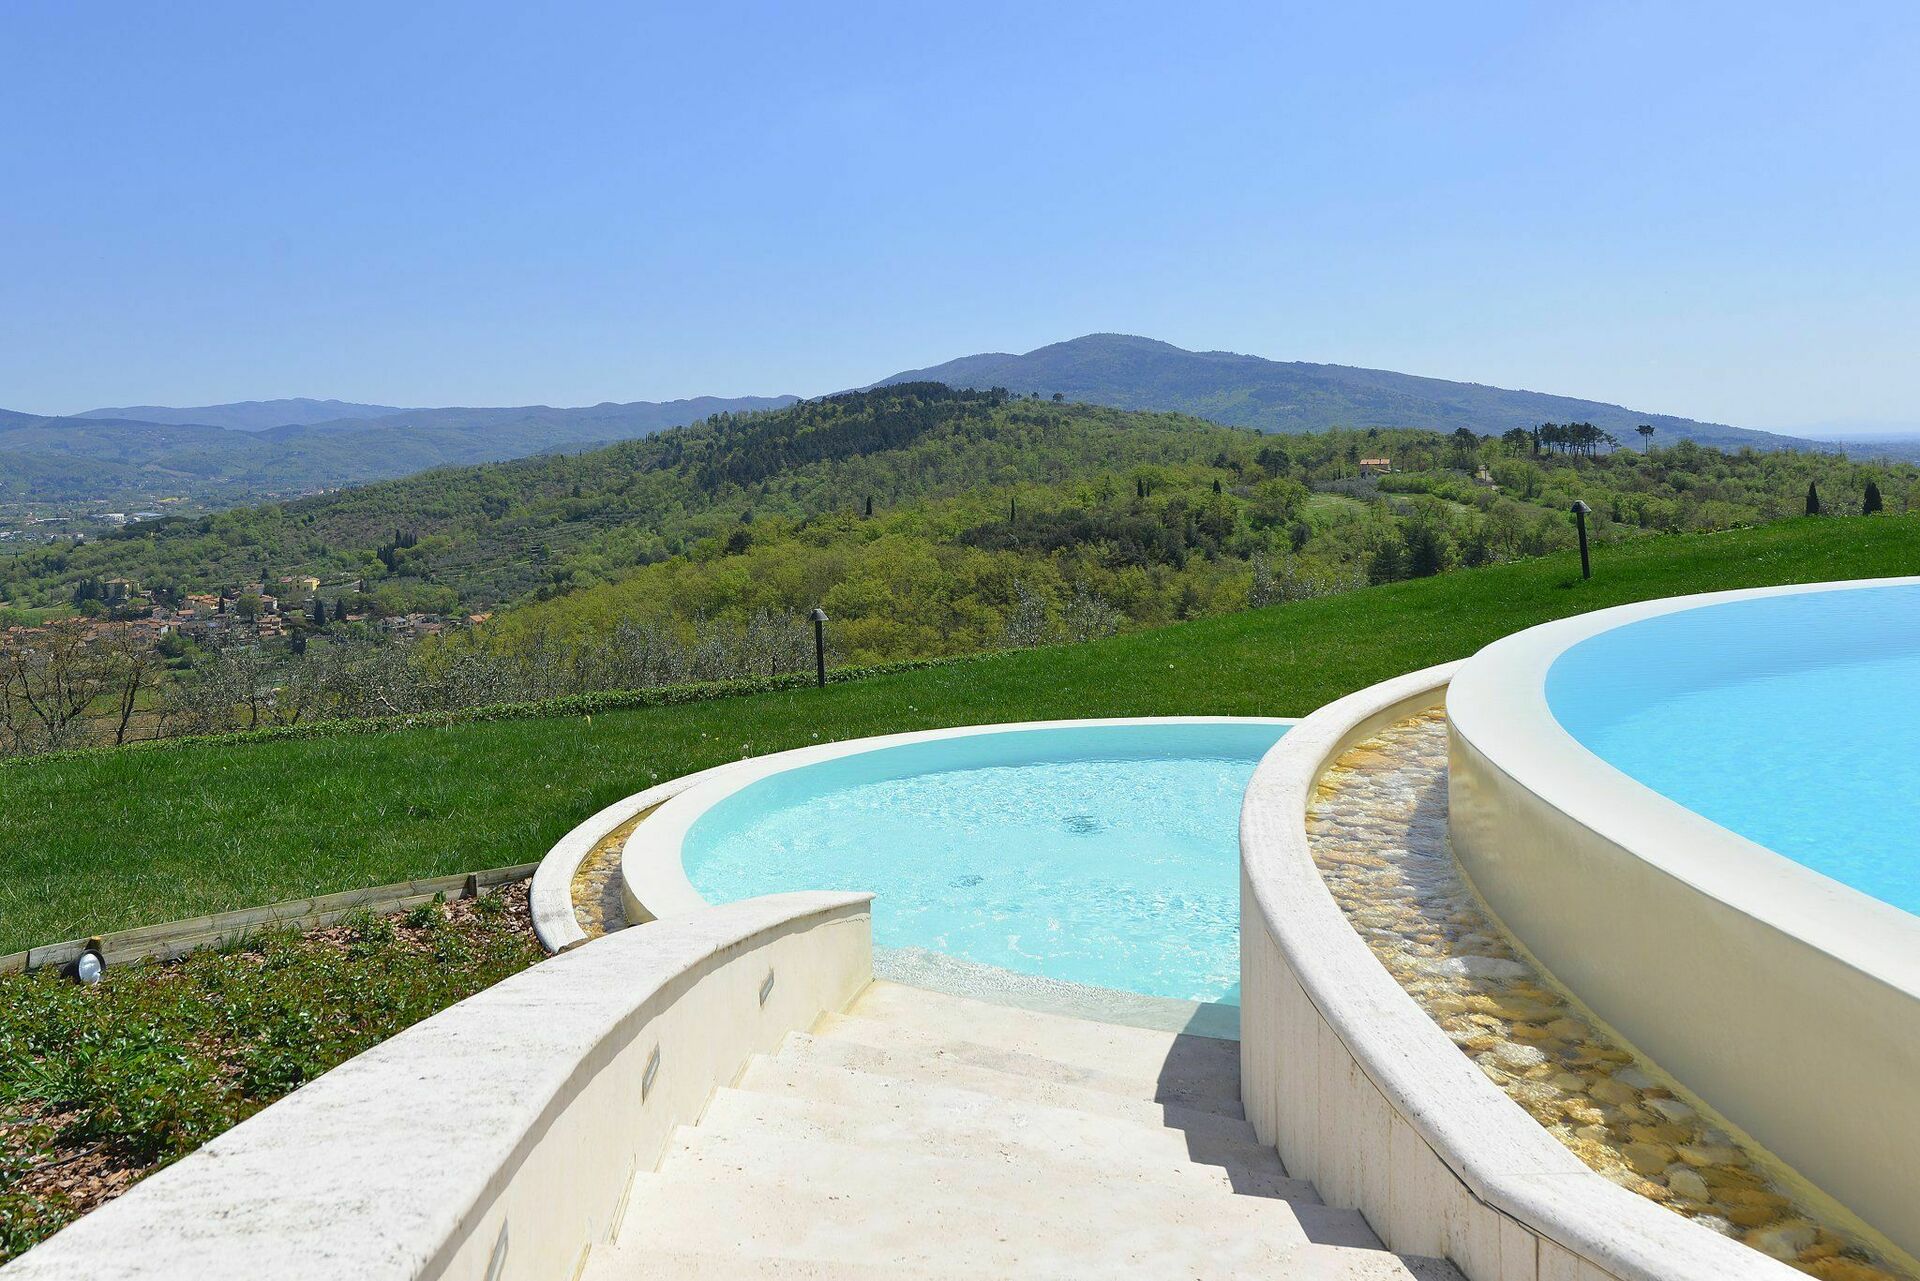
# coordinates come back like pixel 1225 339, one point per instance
pixel 1378 831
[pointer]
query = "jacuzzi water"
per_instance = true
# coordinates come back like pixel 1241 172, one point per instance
pixel 1102 854
pixel 1792 720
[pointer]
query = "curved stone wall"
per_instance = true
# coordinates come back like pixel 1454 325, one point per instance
pixel 498 1138
pixel 1787 1001
pixel 1361 1092
pixel 551 896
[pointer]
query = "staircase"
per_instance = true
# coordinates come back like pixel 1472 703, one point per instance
pixel 922 1136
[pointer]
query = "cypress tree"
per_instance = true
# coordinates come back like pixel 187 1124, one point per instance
pixel 1813 499
pixel 1870 502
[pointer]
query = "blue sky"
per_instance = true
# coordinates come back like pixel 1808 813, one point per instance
pixel 1710 210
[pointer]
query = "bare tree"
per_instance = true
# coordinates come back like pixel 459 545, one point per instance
pixel 133 666
pixel 53 676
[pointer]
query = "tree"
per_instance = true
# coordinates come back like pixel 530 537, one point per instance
pixel 1870 501
pixel 49 677
pixel 131 665
pixel 1813 499
pixel 1646 437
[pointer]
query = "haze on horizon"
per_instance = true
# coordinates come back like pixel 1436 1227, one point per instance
pixel 1705 213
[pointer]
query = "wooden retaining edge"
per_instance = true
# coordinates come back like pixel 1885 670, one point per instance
pixel 177 938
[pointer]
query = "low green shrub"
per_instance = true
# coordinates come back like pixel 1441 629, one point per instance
pixel 158 1058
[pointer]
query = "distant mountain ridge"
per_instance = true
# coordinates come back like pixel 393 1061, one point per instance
pixel 247 415
pixel 250 450
pixel 1130 372
pixel 91 458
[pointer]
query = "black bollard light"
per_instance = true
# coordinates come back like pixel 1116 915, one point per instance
pixel 819 617
pixel 1580 511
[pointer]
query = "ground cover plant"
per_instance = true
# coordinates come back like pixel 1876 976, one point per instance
pixel 112 839
pixel 100 1086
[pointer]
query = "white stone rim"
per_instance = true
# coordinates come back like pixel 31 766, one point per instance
pixel 550 898
pixel 652 869
pixel 1498 703
pixel 1502 1155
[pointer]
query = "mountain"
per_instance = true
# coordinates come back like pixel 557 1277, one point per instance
pixel 248 415
pixel 97 459
pixel 923 520
pixel 1128 372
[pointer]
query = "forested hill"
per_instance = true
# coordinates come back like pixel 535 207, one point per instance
pixel 1294 396
pixel 931 517
pixel 482 536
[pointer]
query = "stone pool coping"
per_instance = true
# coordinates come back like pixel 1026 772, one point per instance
pixel 1787 1000
pixel 551 896
pixel 1362 1093
pixel 653 876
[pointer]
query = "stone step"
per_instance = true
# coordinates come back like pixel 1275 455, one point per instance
pixel 1301 1263
pixel 909 1211
pixel 857 1074
pixel 1071 1144
pixel 719 1264
pixel 1210 1089
pixel 911 1068
pixel 807 1141
pixel 1010 1178
pixel 1198 1067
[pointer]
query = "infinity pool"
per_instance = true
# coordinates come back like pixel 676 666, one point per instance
pixel 1792 720
pixel 1099 854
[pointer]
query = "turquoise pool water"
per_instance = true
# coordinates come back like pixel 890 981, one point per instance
pixel 1792 720
pixel 1106 854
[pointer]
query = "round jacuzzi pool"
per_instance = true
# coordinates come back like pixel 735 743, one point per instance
pixel 1698 815
pixel 1101 853
pixel 1789 719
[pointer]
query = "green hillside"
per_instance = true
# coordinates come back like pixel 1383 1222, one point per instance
pixel 1092 490
pixel 928 522
pixel 109 839
pixel 494 534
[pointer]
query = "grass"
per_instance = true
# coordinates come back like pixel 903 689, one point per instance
pixel 101 1086
pixel 111 840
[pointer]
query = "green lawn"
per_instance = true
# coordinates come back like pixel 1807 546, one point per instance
pixel 111 840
